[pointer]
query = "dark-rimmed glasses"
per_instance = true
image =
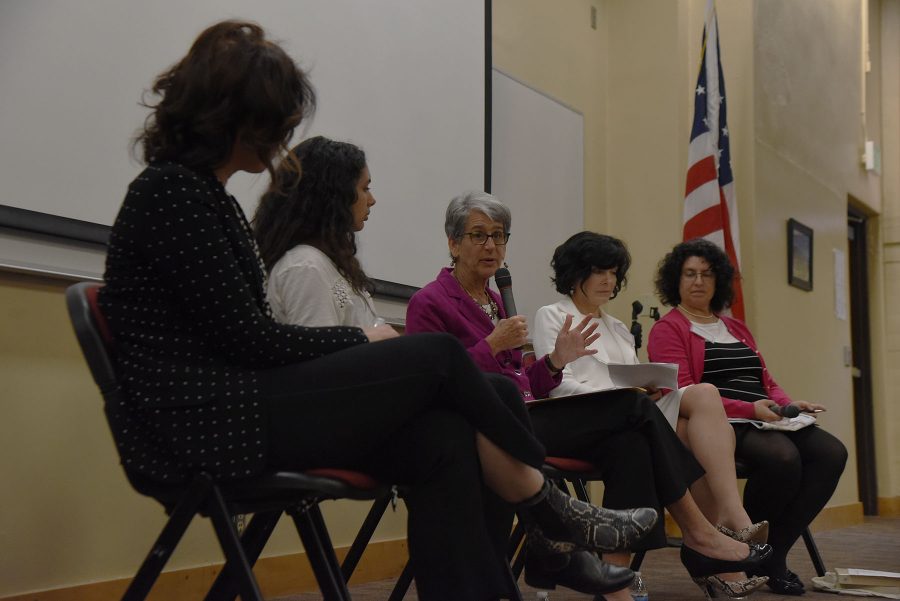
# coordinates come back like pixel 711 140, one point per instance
pixel 481 238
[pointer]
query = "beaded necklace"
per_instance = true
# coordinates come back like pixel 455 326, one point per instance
pixel 493 312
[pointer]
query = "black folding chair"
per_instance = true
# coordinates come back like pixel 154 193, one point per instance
pixel 266 496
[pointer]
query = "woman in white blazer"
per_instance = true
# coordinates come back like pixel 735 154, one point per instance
pixel 590 269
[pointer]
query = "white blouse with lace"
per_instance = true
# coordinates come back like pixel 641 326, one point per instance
pixel 305 288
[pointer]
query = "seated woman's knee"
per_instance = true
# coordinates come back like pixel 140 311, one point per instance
pixel 706 397
pixel 443 437
pixel 833 451
pixel 782 463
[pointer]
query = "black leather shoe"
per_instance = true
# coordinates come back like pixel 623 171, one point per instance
pixel 600 529
pixel 699 565
pixel 786 584
pixel 580 571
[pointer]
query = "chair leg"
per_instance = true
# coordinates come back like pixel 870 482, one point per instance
pixel 515 552
pixel 512 583
pixel 165 544
pixel 813 552
pixel 379 506
pixel 402 585
pixel 637 560
pixel 320 552
pixel 580 490
pixel 232 547
pixel 253 539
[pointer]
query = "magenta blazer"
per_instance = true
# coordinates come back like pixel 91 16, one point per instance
pixel 443 306
pixel 671 341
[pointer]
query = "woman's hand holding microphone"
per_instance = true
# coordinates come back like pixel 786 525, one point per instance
pixel 509 333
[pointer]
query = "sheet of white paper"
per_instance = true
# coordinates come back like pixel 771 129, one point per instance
pixel 644 375
pixel 861 572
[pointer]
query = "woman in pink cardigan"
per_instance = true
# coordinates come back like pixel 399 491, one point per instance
pixel 794 473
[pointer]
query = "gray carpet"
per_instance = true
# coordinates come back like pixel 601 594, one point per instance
pixel 874 545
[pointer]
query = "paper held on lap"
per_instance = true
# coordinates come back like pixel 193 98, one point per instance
pixel 639 376
pixel 644 375
pixel 785 423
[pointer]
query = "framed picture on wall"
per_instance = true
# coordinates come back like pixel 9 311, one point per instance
pixel 800 255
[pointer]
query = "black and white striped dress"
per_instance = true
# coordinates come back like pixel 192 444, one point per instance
pixel 730 365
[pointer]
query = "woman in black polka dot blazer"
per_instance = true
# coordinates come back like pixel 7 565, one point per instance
pixel 212 383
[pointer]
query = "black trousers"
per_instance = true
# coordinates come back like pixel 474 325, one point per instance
pixel 623 433
pixel 406 411
pixel 793 474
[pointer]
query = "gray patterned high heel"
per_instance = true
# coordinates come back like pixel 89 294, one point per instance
pixel 754 533
pixel 712 586
pixel 600 529
pixel 571 524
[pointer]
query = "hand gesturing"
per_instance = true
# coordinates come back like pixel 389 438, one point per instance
pixel 572 342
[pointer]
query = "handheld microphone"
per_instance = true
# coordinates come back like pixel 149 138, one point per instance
pixel 786 411
pixel 504 284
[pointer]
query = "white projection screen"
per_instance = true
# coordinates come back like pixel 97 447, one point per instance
pixel 404 79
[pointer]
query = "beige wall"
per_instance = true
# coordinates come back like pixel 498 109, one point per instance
pixel 68 515
pixel 527 35
pixel 808 98
pixel 887 407
pixel 794 81
pixel 795 91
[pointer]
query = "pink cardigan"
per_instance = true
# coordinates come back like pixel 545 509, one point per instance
pixel 443 306
pixel 671 341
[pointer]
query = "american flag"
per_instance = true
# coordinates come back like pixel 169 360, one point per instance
pixel 710 207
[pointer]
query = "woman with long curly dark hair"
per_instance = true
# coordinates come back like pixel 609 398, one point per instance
pixel 306 234
pixel 794 473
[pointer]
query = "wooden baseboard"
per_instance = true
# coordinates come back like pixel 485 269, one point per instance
pixel 277 576
pixel 838 516
pixel 289 574
pixel 889 507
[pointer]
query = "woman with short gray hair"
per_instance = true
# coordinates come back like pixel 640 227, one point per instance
pixel 462 206
pixel 621 432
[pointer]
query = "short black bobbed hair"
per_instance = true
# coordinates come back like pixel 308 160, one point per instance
pixel 576 259
pixel 668 275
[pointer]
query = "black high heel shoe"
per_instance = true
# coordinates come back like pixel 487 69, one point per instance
pixel 787 583
pixel 581 571
pixel 570 524
pixel 700 566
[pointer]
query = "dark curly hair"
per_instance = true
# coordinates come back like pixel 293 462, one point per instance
pixel 316 209
pixel 668 274
pixel 232 85
pixel 575 260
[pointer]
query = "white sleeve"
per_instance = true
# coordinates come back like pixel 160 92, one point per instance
pixel 547 324
pixel 305 296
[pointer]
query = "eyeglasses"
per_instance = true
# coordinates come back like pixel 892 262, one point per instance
pixel 481 238
pixel 691 275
